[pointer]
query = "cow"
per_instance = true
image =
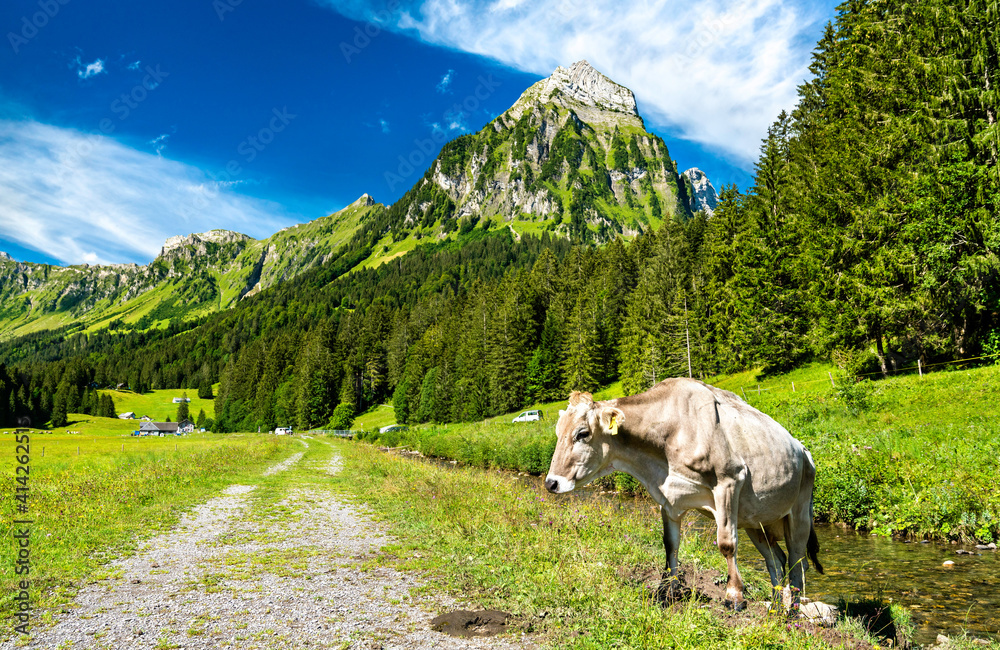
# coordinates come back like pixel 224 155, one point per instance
pixel 697 447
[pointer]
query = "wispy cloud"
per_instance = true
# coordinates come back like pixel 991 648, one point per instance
pixel 88 70
pixel 445 82
pixel 87 198
pixel 384 124
pixel 134 65
pixel 717 72
pixel 160 143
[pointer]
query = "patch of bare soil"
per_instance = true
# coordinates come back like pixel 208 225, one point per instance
pixel 707 588
pixel 464 623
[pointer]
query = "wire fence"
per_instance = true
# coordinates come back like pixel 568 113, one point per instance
pixel 342 433
pixel 917 368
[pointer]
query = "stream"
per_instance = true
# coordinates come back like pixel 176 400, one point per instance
pixel 941 600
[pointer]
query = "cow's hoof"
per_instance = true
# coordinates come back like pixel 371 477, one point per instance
pixel 735 605
pixel 671 591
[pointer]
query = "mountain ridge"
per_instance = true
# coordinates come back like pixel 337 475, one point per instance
pixel 571 157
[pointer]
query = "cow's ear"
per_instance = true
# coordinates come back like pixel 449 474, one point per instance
pixel 611 417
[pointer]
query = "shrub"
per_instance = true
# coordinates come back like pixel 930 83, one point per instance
pixel 342 418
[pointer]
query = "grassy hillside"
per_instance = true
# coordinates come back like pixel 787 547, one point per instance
pixel 906 455
pixel 158 404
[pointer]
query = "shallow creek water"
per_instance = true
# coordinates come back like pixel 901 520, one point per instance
pixel 942 600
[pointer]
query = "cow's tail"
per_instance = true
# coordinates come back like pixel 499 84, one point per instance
pixel 812 547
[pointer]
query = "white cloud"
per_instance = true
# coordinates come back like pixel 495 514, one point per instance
pixel 134 65
pixel 717 72
pixel 160 143
pixel 88 198
pixel 445 82
pixel 384 124
pixel 88 70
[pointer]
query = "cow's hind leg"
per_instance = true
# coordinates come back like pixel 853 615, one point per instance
pixel 727 496
pixel 798 529
pixel 766 541
pixel 670 589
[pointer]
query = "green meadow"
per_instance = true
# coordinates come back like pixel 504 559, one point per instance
pixel 578 573
pixel 95 495
pixel 158 404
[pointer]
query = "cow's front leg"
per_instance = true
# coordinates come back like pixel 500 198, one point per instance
pixel 726 500
pixel 670 588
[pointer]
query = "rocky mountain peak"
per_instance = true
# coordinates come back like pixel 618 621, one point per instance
pixel 583 83
pixel 703 194
pixel 199 239
pixel 582 88
pixel 6 257
pixel 363 201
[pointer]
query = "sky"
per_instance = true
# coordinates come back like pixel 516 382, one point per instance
pixel 123 124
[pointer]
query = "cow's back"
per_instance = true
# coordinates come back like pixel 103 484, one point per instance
pixel 778 466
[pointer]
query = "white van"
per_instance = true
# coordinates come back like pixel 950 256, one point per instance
pixel 529 416
pixel 283 431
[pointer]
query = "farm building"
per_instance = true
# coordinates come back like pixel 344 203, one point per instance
pixel 185 426
pixel 129 415
pixel 178 400
pixel 158 429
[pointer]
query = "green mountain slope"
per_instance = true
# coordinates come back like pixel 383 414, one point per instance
pixel 193 275
pixel 571 157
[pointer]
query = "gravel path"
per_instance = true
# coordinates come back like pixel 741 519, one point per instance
pixel 296 574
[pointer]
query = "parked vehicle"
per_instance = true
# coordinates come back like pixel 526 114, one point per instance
pixel 283 431
pixel 393 427
pixel 528 416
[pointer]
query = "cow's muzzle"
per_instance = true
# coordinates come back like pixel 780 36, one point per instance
pixel 558 484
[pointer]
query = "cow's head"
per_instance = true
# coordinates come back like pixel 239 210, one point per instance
pixel 584 433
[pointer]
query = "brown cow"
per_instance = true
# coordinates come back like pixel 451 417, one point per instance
pixel 696 447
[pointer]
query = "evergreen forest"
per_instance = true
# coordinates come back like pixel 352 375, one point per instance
pixel 869 236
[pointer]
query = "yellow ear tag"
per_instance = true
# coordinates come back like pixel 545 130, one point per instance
pixel 614 425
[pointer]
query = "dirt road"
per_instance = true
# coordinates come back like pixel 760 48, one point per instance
pixel 246 571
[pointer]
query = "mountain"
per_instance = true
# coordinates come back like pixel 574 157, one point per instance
pixel 192 276
pixel 571 157
pixel 701 191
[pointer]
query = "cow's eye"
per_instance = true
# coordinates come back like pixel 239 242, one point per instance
pixel 581 434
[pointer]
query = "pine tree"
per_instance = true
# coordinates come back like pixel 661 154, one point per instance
pixel 183 409
pixel 580 365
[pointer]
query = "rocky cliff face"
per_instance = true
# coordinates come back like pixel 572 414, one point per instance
pixel 701 191
pixel 572 153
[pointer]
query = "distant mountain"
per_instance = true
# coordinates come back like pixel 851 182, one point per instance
pixel 701 191
pixel 193 275
pixel 571 157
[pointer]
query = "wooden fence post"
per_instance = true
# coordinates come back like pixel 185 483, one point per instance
pixel 793 386
pixel 744 395
pixel 830 375
pixel 920 368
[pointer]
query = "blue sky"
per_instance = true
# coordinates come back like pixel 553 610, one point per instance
pixel 122 124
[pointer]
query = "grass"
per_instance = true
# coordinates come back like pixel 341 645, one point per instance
pixel 375 418
pixel 566 567
pixel 92 507
pixel 902 456
pixel 158 404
